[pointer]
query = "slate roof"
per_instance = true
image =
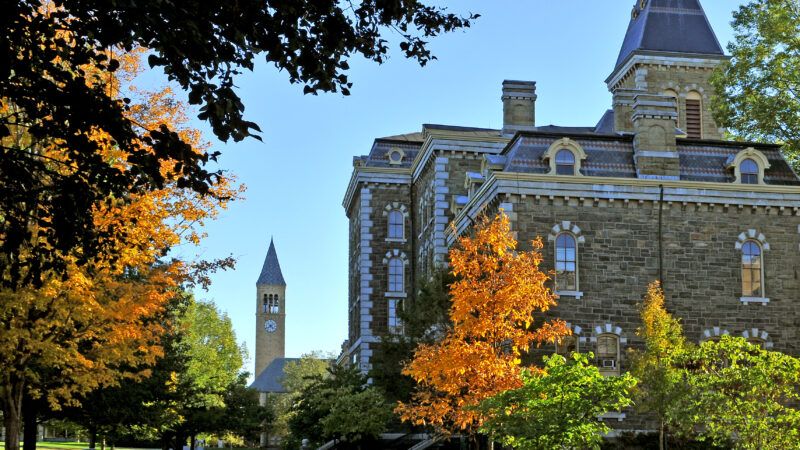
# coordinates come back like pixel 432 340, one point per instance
pixel 612 156
pixel 271 379
pixel 271 271
pixel 673 26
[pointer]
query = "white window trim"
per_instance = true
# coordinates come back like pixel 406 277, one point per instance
pixel 396 206
pixel 390 255
pixel 557 230
pixel 565 144
pixel 399 153
pixel 761 241
pixel 749 153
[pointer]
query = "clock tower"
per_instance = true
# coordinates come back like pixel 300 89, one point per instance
pixel 270 312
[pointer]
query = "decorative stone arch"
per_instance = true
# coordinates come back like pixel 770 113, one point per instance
pixel 395 206
pixel 713 333
pixel 608 328
pixel 392 255
pixel 396 155
pixel 566 227
pixel 608 363
pixel 567 144
pixel 395 254
pixel 576 334
pixel 752 235
pixel 753 154
pixel 756 334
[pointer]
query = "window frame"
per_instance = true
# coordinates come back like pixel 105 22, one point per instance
pixel 601 357
pixel 761 293
pixel 566 261
pixel 392 278
pixel 390 226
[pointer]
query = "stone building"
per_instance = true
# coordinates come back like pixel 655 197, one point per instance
pixel 651 191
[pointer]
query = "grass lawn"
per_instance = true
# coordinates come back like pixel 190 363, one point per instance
pixel 70 446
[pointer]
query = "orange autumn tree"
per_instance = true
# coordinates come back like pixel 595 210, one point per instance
pixel 99 322
pixel 496 295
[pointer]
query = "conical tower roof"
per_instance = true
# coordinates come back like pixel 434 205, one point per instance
pixel 271 272
pixel 669 26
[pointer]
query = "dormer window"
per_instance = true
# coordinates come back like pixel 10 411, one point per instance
pixel 395 156
pixel 565 157
pixel 565 162
pixel 749 166
pixel 749 171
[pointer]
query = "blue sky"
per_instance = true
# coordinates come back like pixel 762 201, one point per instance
pixel 297 177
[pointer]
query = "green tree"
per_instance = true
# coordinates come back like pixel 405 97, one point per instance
pixel 297 375
pixel 201 46
pixel 425 318
pixel 558 408
pixel 338 406
pixel 759 88
pixel 662 388
pixel 744 394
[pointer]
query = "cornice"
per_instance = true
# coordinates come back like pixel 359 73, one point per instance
pixel 435 136
pixel 662 59
pixel 395 175
pixel 625 190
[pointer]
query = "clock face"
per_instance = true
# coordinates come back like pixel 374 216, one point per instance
pixel 271 326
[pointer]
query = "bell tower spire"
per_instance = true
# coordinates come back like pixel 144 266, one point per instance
pixel 270 312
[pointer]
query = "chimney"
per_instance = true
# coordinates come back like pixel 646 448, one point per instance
pixel 519 106
pixel 655 152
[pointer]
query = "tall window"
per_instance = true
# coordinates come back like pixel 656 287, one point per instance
pixel 749 171
pixel 566 263
pixel 608 354
pixel 694 116
pixel 394 322
pixel 752 270
pixel 396 275
pixel 565 162
pixel 266 303
pixel 396 225
pixel 275 306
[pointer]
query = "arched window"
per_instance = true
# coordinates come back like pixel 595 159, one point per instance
pixel 567 345
pixel 266 303
pixel 608 354
pixel 749 171
pixel 566 263
pixel 565 162
pixel 752 269
pixel 694 115
pixel 396 225
pixel 396 275
pixel 275 308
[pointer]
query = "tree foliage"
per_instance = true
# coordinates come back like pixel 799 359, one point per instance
pixel 93 323
pixel 339 405
pixel 662 388
pixel 55 72
pixel 744 394
pixel 759 88
pixel 425 318
pixel 558 408
pixel 496 293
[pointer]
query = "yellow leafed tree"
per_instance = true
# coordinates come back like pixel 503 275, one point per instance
pixel 496 295
pixel 95 324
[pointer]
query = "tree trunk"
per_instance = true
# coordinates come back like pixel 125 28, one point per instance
pixel 12 411
pixel 192 442
pixel 30 422
pixel 661 436
pixel 92 437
